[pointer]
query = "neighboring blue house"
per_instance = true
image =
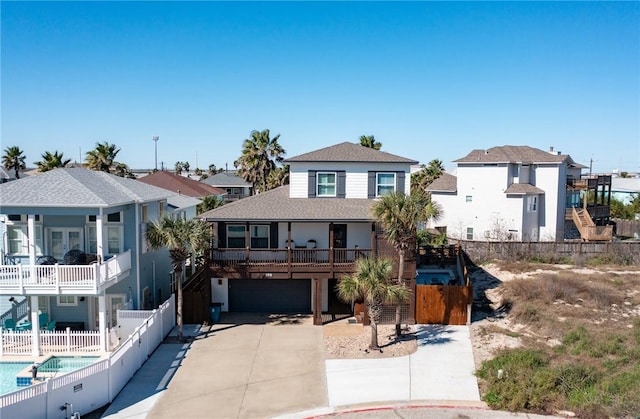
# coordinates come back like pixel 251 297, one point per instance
pixel 46 216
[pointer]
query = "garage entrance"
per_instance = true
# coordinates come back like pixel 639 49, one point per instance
pixel 270 295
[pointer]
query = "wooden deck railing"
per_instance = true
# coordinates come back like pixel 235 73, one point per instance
pixel 287 257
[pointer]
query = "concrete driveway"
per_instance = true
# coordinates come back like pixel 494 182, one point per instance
pixel 249 366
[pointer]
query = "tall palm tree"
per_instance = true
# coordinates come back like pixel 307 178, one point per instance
pixel 183 238
pixel 14 158
pixel 425 176
pixel 51 161
pixel 260 156
pixel 370 283
pixel 370 141
pixel 399 215
pixel 102 157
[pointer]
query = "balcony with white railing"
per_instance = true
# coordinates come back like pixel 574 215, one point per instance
pixel 64 279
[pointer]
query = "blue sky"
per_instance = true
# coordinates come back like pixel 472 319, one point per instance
pixel 431 80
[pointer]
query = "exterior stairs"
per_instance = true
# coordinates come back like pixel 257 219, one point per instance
pixel 589 231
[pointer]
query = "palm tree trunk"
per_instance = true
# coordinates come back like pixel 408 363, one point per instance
pixel 400 282
pixel 374 336
pixel 179 303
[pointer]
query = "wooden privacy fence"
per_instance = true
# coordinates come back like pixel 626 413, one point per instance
pixel 443 304
pixel 487 250
pixel 196 297
pixel 628 228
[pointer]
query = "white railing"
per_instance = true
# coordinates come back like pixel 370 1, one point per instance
pixel 97 384
pixel 20 342
pixel 63 279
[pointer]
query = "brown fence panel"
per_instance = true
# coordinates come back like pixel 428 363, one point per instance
pixel 439 304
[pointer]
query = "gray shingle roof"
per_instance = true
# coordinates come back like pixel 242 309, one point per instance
pixel 182 201
pixel 523 189
pixel 276 205
pixel 514 154
pixel 445 183
pixel 77 187
pixel 223 180
pixel 349 152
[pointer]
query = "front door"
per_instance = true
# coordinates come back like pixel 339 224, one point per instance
pixel 61 240
pixel 114 303
pixel 340 236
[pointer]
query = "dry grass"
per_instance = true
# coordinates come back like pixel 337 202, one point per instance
pixel 579 334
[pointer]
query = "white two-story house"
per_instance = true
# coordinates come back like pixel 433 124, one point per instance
pixel 518 193
pixel 284 250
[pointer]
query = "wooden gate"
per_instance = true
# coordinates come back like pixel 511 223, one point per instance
pixel 442 304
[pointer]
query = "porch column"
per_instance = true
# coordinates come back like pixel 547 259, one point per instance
pixel 35 326
pixel 99 246
pixel 31 234
pixel 102 322
pixel 317 301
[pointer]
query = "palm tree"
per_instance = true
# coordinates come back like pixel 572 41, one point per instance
pixel 399 215
pixel 209 202
pixel 260 156
pixel 370 284
pixel 123 170
pixel 183 238
pixel 370 141
pixel 425 176
pixel 14 158
pixel 278 177
pixel 102 157
pixel 51 161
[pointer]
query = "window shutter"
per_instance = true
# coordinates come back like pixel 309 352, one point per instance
pixel 341 186
pixel 222 235
pixel 312 183
pixel 273 233
pixel 399 181
pixel 371 185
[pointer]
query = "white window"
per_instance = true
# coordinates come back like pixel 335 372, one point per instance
pixel 145 213
pixel 17 236
pixel 385 183
pixel 235 236
pixel 533 203
pixel 260 236
pixel 326 183
pixel 469 233
pixel 113 232
pixel 67 300
pixel 468 198
pixel 160 209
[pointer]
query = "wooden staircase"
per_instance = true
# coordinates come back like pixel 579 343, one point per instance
pixel 589 231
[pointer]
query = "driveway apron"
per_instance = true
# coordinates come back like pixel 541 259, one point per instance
pixel 249 367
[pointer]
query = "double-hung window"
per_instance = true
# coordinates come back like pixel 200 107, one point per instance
pixel 533 203
pixel 326 184
pixel 235 236
pixel 385 183
pixel 259 236
pixel 112 230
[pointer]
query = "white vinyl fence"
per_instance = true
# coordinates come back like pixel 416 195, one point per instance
pixel 91 387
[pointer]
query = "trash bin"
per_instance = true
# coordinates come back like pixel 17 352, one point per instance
pixel 215 312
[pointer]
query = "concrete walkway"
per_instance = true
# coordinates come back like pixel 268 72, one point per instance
pixel 253 368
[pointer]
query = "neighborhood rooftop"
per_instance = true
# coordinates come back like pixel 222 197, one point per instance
pixel 276 205
pixel 77 187
pixel 350 152
pixel 516 154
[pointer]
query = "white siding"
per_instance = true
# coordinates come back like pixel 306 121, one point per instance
pixel 356 182
pixel 357 234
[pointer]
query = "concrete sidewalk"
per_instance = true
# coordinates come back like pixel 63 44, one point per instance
pixel 442 369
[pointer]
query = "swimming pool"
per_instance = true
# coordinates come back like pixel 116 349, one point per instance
pixel 435 277
pixel 10 370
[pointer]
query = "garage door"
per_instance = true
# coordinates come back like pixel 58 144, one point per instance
pixel 270 295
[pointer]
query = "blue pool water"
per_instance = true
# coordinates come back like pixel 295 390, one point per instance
pixel 434 277
pixel 56 364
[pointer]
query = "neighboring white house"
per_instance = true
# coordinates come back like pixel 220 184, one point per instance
pixel 625 189
pixel 511 193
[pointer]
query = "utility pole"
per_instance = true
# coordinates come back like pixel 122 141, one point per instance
pixel 590 165
pixel 155 139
